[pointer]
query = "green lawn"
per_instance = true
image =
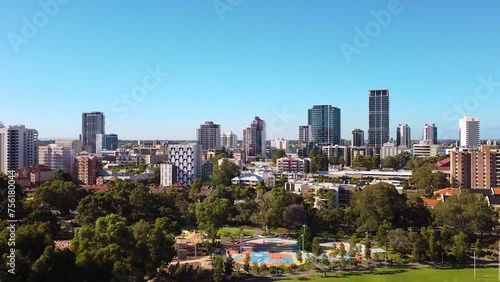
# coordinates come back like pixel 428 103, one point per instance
pixel 410 275
pixel 235 232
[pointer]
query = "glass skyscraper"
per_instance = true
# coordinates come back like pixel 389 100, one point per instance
pixel 378 132
pixel 325 124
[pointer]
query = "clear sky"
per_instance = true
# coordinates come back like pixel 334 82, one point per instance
pixel 229 60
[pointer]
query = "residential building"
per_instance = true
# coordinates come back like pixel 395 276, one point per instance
pixel 209 136
pixel 388 149
pixel 358 138
pixel 429 134
pixel 362 151
pixel 378 132
pixel 75 145
pixel 279 144
pixel 168 175
pixel 254 139
pixel 18 147
pixel 335 151
pixel 325 122
pixel 86 167
pixel 469 132
pixel 475 168
pixel 92 124
pixel 34 175
pixel 187 159
pixel 229 140
pixel 56 156
pixel 305 135
pixel 293 165
pixel 425 149
pixel 403 136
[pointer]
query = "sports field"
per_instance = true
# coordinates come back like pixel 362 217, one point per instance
pixel 410 275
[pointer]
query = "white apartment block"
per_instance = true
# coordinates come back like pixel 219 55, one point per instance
pixel 56 156
pixel 280 144
pixel 167 175
pixel 425 149
pixel 76 145
pixel 17 147
pixel 388 149
pixel 187 159
pixel 469 132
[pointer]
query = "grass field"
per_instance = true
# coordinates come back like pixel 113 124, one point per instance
pixel 410 275
pixel 235 232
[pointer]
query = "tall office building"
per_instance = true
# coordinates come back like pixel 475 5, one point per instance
pixel 429 134
pixel 209 136
pixel 358 138
pixel 469 132
pixel 56 156
pixel 325 124
pixel 229 140
pixel 403 136
pixel 18 147
pixel 305 134
pixel 92 124
pixel 187 163
pixel 378 132
pixel 254 139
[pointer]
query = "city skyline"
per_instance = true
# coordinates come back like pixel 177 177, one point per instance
pixel 236 67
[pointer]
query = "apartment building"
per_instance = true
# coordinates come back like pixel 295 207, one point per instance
pixel 475 168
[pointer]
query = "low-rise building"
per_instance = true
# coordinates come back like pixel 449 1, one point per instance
pixel 293 165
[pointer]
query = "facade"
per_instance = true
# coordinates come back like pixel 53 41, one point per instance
pixel 403 136
pixel 378 132
pixel 279 144
pixel 106 142
pixel 293 165
pixel 229 140
pixel 75 145
pixel 358 138
pixel 469 132
pixel 168 175
pixel 335 151
pixel 475 168
pixel 56 156
pixel 86 168
pixel 429 134
pixel 92 124
pixel 209 136
pixel 325 122
pixel 187 162
pixel 424 150
pixel 389 149
pixel 362 151
pixel 305 134
pixel 254 139
pixel 18 147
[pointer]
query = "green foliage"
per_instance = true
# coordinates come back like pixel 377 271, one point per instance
pixel 369 162
pixel 294 216
pixel 218 273
pixel 59 195
pixel 307 238
pixel 315 247
pixel 224 172
pixel 278 155
pixel 400 241
pixel 460 246
pixel 376 204
pixel 466 212
pixel 427 181
pixel 212 214
pixel 319 162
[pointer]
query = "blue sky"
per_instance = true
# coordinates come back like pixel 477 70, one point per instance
pixel 274 59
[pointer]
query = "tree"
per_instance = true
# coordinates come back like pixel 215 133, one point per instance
pixel 59 195
pixel 246 264
pixel 195 189
pixel 383 233
pixel 307 238
pixel 319 162
pixel 400 241
pixel 294 216
pixel 224 173
pixel 315 247
pixel 218 269
pixel 61 175
pixel 392 162
pixel 460 246
pixel 368 251
pixel 432 250
pixel 278 155
pixel 55 265
pixel 465 212
pixel 229 265
pixel 342 251
pixel 428 181
pixel 377 203
pixel 212 214
pixel 419 247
